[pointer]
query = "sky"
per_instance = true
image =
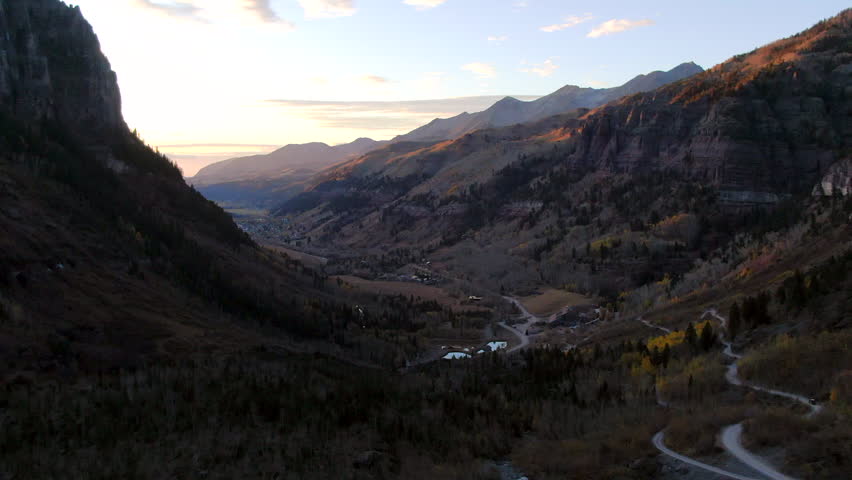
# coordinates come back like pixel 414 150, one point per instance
pixel 206 80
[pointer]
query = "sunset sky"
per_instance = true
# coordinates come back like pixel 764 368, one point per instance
pixel 210 79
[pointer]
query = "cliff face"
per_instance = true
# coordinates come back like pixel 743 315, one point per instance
pixel 102 240
pixel 756 128
pixel 52 69
pixel 837 181
pixel 753 131
pixel 745 141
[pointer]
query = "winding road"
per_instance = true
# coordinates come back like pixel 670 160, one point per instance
pixel 658 442
pixel 731 436
pixel 522 335
pixel 658 327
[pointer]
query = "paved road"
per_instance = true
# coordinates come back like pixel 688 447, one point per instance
pixel 520 331
pixel 658 442
pixel 658 327
pixel 524 340
pixel 732 441
pixel 732 434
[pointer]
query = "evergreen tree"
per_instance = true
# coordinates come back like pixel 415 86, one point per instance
pixel 708 338
pixel 734 321
pixel 690 335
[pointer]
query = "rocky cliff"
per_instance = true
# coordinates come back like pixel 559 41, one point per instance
pixel 753 131
pixel 102 266
pixel 837 181
pixel 52 69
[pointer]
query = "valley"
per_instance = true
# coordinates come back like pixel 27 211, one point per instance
pixel 647 281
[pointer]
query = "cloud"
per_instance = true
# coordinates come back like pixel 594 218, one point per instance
pixel 328 8
pixel 423 4
pixel 374 79
pixel 617 25
pixel 521 4
pixel 481 70
pixel 173 9
pixel 263 10
pixel 497 40
pixel 391 117
pixel 544 69
pixel 569 22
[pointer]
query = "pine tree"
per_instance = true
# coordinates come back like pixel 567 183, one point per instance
pixel 690 335
pixel 708 338
pixel 734 321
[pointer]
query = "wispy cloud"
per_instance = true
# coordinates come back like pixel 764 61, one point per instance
pixel 520 4
pixel 184 10
pixel 544 69
pixel 481 70
pixel 263 10
pixel 618 25
pixel 391 117
pixel 374 79
pixel 423 4
pixel 497 40
pixel 569 22
pixel 328 8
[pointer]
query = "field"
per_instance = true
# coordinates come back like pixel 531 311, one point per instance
pixel 417 290
pixel 306 258
pixel 551 300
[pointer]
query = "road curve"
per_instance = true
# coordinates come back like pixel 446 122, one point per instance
pixel 658 442
pixel 523 338
pixel 651 325
pixel 731 436
pixel 732 440
pixel 520 333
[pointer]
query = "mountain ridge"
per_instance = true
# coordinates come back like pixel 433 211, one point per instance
pixel 311 156
pixel 268 180
pixel 748 133
pixel 510 111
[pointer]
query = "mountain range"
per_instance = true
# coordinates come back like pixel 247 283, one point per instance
pixel 267 180
pixel 107 252
pixel 510 111
pixel 607 293
pixel 754 130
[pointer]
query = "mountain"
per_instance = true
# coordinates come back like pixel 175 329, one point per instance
pixel 143 335
pixel 510 111
pixel 109 259
pixel 533 200
pixel 286 161
pixel 263 181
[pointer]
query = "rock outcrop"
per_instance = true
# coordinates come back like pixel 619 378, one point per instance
pixel 837 181
pixel 52 69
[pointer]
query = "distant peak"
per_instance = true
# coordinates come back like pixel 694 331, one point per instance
pixel 506 100
pixel 687 67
